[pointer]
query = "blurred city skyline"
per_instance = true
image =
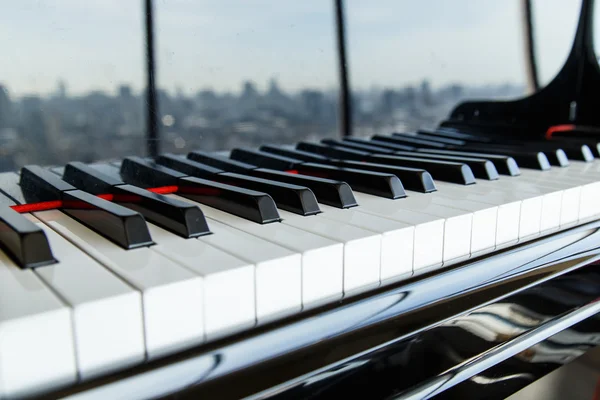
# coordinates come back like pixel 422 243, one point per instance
pixel 98 44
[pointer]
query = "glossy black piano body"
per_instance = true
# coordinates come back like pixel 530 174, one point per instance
pixel 484 328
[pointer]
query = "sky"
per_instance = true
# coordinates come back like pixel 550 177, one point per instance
pixel 217 44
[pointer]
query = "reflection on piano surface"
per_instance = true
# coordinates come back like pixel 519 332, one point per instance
pixel 455 262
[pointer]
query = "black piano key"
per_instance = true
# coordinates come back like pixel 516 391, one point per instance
pixel 179 217
pixel 371 182
pixel 332 151
pixel 123 226
pixel 593 146
pixel 573 151
pixel 379 184
pixel 374 142
pixel 505 165
pixel 415 179
pixel 263 159
pixel 431 138
pixel 118 224
pixel 221 162
pixel 441 170
pixel 187 166
pixel 249 204
pixel 108 169
pixel 556 157
pixel 89 179
pixel 293 153
pixel 331 192
pixel 39 184
pixel 293 198
pixel 148 174
pixel 482 168
pixel 24 242
pixel 184 219
pixel 408 141
pixel 525 158
pixel 357 146
pixel 389 145
pixel 453 134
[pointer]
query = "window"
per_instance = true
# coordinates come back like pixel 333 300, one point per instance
pixel 411 62
pixel 72 80
pixel 238 74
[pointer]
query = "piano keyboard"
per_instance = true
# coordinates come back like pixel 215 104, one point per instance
pixel 107 265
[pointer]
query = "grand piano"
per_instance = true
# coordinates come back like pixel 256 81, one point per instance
pixel 453 262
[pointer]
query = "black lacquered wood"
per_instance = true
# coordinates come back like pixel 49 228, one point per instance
pixel 293 153
pixel 24 242
pixel 408 141
pixel 415 179
pixel 249 204
pixel 264 159
pixel 333 193
pixel 482 168
pixel 447 171
pixel 525 159
pixel 332 151
pixel 221 162
pixel 375 183
pixel 505 165
pixel 123 226
pixel 346 144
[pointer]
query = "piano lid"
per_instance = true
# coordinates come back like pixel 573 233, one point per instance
pixel 566 104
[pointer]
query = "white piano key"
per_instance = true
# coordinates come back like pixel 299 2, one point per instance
pixel 532 204
pixel 107 313
pixel 278 271
pixel 362 248
pixel 397 239
pixel 571 178
pixel 508 211
pixel 483 229
pixel 428 243
pixel 456 237
pixel 171 294
pixel 36 336
pixel 229 294
pixel 322 263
